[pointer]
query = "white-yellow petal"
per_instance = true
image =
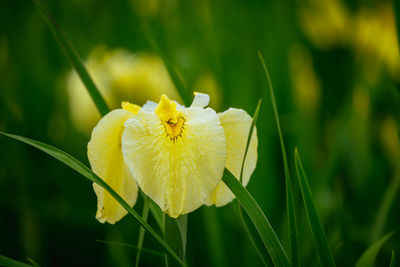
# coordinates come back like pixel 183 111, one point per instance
pixel 106 160
pixel 200 100
pixel 236 123
pixel 180 172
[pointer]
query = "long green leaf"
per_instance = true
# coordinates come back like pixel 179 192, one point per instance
pixel 175 231
pixel 34 264
pixel 294 253
pixel 85 171
pixel 253 124
pixel 321 243
pixel 393 260
pixel 157 214
pixel 388 198
pixel 8 262
pixel 254 238
pixel 173 73
pixel 73 57
pixel 367 259
pixel 145 214
pixel 261 222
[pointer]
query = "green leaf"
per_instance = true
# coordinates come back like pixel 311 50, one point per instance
pixel 85 171
pixel 261 222
pixel 253 123
pixel 254 238
pixel 321 243
pixel 294 253
pixel 157 214
pixel 34 264
pixel 145 214
pixel 176 78
pixel 150 251
pixel 393 260
pixel 8 262
pixel 73 57
pixel 368 257
pixel 388 197
pixel 175 233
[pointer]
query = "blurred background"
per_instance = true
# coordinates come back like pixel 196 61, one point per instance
pixel 335 69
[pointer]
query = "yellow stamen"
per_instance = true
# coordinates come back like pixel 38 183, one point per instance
pixel 173 123
pixel 130 107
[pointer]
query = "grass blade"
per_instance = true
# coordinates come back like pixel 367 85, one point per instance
pixel 253 123
pixel 293 243
pixel 264 228
pixel 73 57
pixel 145 214
pixel 384 208
pixel 321 243
pixel 85 171
pixel 393 260
pixel 157 214
pixel 185 94
pixel 175 231
pixel 368 257
pixel 254 239
pixel 34 264
pixel 8 262
pixel 150 251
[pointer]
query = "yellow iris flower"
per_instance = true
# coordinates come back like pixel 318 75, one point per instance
pixel 175 154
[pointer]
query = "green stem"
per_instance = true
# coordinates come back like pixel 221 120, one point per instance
pixel 145 214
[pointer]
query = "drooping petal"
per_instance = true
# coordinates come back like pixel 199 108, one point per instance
pixel 236 123
pixel 106 160
pixel 178 170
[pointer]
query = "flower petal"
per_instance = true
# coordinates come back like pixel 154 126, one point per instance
pixel 150 105
pixel 106 160
pixel 200 100
pixel 236 123
pixel 178 173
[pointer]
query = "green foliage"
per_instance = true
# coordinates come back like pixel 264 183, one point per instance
pixel 321 243
pixel 367 259
pixel 338 101
pixel 175 234
pixel 137 248
pixel 294 254
pixel 86 172
pixel 263 226
pixel 145 214
pixel 7 262
pixel 393 260
pixel 252 234
pixel 73 57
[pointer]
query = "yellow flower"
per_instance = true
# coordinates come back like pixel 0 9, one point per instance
pixel 118 74
pixel 176 154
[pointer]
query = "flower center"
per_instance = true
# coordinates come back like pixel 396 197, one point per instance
pixel 174 130
pixel 170 117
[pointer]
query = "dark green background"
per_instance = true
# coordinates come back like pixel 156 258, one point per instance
pixel 47 211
